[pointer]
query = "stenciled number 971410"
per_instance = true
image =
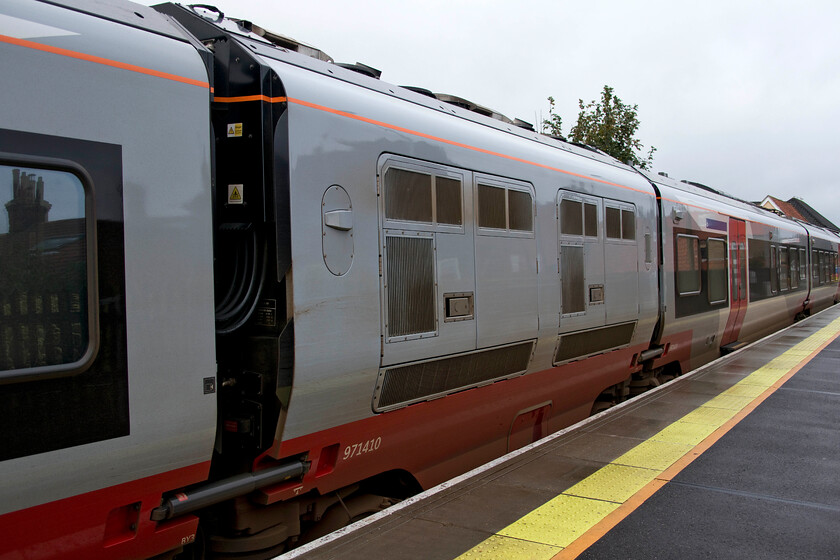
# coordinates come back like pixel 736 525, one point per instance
pixel 361 448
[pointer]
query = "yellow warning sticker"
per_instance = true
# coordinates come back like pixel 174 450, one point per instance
pixel 234 130
pixel 235 194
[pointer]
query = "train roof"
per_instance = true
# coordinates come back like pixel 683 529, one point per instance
pixel 722 198
pixel 260 42
pixel 128 13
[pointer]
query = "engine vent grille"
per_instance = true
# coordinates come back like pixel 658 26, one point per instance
pixel 410 269
pixel 594 341
pixel 416 382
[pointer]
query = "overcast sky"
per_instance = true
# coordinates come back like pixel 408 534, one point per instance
pixel 743 96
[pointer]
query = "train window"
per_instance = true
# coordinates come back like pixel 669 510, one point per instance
pixel 825 265
pixel 760 252
pixel 613 219
pixel 572 222
pixel 784 269
pixel 520 211
pixel 774 269
pixel 422 197
pixel 818 273
pixel 688 265
pixel 621 223
pixel 803 266
pixel 794 268
pixel 448 201
pixel 717 270
pixel 505 209
pixel 590 220
pixel 408 196
pixel 570 217
pixel 45 312
pixel 491 207
pixel 628 224
pixel 828 266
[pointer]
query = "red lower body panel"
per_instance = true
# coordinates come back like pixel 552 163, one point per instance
pixel 108 523
pixel 439 439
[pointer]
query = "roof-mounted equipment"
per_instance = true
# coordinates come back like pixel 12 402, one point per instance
pixel 470 106
pixel 361 69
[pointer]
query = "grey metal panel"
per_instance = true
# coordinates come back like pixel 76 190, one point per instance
pixel 83 33
pixel 344 314
pixel 168 253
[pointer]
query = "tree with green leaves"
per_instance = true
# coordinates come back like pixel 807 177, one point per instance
pixel 608 125
pixel 554 123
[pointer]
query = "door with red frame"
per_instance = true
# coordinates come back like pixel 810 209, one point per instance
pixel 737 280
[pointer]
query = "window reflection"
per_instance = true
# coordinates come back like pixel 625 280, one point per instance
pixel 43 259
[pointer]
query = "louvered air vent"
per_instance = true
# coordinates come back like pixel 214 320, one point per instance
pixel 403 385
pixel 594 341
pixel 410 285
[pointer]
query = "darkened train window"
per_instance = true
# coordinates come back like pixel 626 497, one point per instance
pixel 448 201
pixel 520 211
pixel 688 265
pixel 761 263
pixel 628 225
pixel 571 217
pixel 794 268
pixel 64 297
pixel 505 209
pixel 590 220
pixel 717 270
pixel 408 196
pixel 823 267
pixel 491 207
pixel 821 261
pixel 803 266
pixel 613 219
pixel 621 224
pixel 422 197
pixel 784 269
pixel 774 269
pixel 572 222
pixel 45 313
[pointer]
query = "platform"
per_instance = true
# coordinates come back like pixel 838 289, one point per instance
pixel 738 459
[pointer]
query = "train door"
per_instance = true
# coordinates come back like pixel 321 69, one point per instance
pixel 621 262
pixel 507 304
pixel 737 280
pixel 581 261
pixel 427 265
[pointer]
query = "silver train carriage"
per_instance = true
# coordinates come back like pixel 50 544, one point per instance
pixel 249 294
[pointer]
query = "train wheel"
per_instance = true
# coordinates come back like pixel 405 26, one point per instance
pixel 346 512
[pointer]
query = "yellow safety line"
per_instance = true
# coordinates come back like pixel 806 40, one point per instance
pixel 567 525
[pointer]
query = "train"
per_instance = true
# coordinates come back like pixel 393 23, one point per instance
pixel 249 294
